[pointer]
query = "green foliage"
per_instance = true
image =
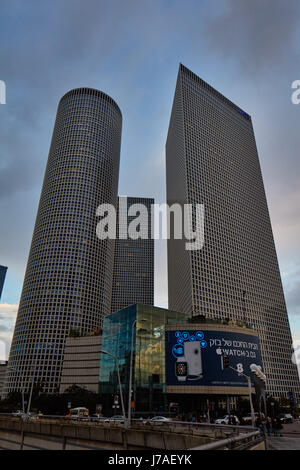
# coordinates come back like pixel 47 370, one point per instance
pixel 54 404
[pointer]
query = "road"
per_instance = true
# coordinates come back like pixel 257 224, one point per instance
pixel 290 439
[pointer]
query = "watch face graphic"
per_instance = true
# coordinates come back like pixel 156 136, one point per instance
pixel 181 369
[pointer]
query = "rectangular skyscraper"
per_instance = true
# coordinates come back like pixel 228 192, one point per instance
pixel 3 270
pixel 211 159
pixel 133 274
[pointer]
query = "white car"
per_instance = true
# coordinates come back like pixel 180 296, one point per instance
pixel 158 420
pixel 18 413
pixel 115 419
pixel 225 420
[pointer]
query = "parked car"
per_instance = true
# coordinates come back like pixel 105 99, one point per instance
pixel 157 420
pixel 30 415
pixel 286 418
pixel 115 419
pixel 18 413
pixel 225 419
pixel 97 418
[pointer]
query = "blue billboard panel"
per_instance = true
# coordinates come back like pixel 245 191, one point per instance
pixel 194 357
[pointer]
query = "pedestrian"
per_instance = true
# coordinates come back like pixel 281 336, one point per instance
pixel 233 420
pixel 269 426
pixel 279 426
pixel 274 427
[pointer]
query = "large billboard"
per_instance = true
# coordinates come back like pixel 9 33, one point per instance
pixel 194 357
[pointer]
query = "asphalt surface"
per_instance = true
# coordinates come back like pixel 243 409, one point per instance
pixel 290 439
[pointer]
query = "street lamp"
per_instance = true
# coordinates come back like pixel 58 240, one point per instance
pixel 249 390
pixel 261 384
pixel 119 380
pixel 257 371
pixel 130 372
pixel 33 368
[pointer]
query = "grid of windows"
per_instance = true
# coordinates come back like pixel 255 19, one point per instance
pixel 212 159
pixel 133 274
pixel 68 278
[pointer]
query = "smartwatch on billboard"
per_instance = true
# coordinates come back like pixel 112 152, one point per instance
pixel 181 369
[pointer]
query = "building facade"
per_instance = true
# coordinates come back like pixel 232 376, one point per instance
pixel 81 364
pixel 164 343
pixel 133 273
pixel 211 159
pixel 3 369
pixel 3 270
pixel 68 279
pixel 148 356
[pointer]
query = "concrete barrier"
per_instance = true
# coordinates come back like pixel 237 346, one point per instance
pixel 64 434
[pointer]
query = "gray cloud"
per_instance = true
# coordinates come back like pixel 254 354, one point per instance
pixel 247 49
pixel 259 34
pixel 291 281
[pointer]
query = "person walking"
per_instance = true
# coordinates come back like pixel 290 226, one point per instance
pixel 279 426
pixel 274 427
pixel 269 426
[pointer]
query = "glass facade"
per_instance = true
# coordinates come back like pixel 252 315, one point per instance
pixel 148 390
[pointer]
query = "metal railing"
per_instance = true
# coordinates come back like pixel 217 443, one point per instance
pixel 246 440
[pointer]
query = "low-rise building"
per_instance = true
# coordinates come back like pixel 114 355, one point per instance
pixel 176 360
pixel 3 368
pixel 81 363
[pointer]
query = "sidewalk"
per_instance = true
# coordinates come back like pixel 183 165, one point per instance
pixel 290 439
pixel 283 443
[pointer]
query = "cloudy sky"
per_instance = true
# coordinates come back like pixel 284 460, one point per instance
pixel 131 49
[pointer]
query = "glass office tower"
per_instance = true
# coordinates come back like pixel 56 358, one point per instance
pixel 148 383
pixel 68 279
pixel 3 270
pixel 133 274
pixel 211 159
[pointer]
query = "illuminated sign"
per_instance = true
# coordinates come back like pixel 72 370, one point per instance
pixel 194 357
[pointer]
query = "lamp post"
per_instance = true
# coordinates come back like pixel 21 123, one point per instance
pixel 119 380
pixel 130 372
pixel 25 416
pixel 262 381
pixel 33 368
pixel 249 391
